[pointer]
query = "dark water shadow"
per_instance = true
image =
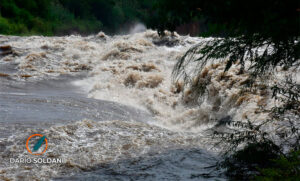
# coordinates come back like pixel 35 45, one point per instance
pixel 176 164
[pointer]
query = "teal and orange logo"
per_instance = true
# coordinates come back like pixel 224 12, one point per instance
pixel 39 142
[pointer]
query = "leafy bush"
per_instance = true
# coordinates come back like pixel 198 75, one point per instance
pixel 263 161
pixel 4 25
pixel 245 164
pixel 259 36
pixel 285 167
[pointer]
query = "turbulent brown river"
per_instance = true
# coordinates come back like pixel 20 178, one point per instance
pixel 109 108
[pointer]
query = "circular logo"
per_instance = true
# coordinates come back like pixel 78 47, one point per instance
pixel 38 141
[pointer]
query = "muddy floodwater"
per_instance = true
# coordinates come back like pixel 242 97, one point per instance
pixel 109 108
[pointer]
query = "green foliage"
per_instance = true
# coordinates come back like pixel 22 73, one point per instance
pixel 243 164
pixel 8 27
pixel 285 167
pixel 168 14
pixel 266 35
pixel 289 94
pixel 263 161
pixel 270 18
pixel 60 17
pixel 4 25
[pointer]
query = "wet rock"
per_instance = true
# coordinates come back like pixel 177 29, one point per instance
pixel 5 50
pixel 25 76
pixel 102 35
pixel 169 41
pixel 223 121
pixel 83 67
pixel 45 47
pixel 3 75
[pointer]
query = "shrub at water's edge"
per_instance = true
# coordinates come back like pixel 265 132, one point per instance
pixel 260 37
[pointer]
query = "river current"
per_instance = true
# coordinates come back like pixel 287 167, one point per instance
pixel 109 108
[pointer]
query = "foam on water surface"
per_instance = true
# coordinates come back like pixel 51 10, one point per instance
pixel 117 114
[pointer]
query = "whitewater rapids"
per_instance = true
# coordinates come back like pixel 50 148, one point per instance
pixel 109 108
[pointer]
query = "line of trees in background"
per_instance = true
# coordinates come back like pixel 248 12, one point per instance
pixel 60 17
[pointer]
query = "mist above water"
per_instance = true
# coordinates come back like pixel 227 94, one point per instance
pixel 137 28
pixel 132 28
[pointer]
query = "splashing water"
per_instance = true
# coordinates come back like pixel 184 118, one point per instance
pixel 109 107
pixel 137 28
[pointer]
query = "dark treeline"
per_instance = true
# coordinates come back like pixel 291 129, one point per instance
pixel 58 17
